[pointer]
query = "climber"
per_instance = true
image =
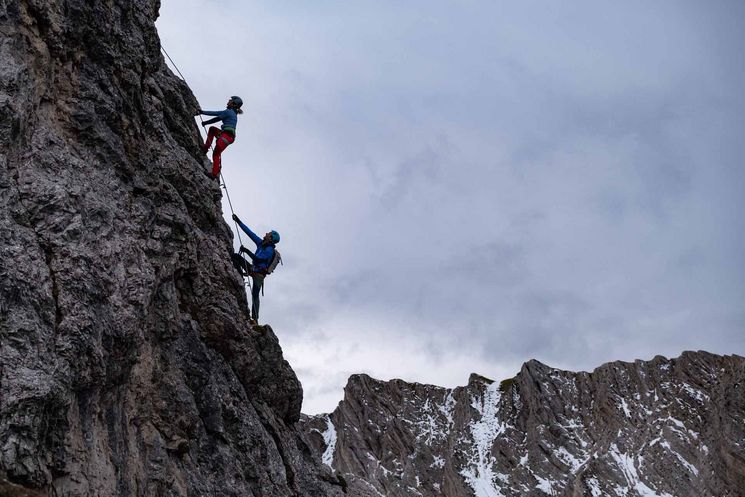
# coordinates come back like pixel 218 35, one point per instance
pixel 263 261
pixel 226 134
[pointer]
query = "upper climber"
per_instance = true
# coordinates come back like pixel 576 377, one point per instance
pixel 264 261
pixel 229 118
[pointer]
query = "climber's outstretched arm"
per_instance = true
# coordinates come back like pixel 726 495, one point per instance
pixel 254 237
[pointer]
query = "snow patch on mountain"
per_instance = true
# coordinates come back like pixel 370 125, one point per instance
pixel 479 471
pixel 329 438
pixel 628 468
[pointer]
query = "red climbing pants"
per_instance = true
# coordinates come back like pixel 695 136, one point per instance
pixel 222 143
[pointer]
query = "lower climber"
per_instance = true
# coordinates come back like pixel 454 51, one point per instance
pixel 263 262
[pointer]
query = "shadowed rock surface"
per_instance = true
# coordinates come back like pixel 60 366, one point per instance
pixel 661 427
pixel 127 363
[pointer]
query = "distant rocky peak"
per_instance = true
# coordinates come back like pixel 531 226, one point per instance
pixel 661 427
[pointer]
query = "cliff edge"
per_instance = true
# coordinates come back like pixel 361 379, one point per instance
pixel 127 363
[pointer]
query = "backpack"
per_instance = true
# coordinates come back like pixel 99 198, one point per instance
pixel 276 261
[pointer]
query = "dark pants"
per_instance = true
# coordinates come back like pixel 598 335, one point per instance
pixel 257 282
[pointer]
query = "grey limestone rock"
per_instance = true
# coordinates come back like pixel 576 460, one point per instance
pixel 661 427
pixel 127 363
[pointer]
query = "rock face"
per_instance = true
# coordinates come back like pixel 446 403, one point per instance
pixel 664 427
pixel 127 363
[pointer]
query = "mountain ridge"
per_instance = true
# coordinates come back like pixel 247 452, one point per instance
pixel 545 431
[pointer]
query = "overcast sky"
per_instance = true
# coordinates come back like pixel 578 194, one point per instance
pixel 463 186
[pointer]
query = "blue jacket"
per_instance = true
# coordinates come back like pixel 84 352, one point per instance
pixel 228 116
pixel 264 252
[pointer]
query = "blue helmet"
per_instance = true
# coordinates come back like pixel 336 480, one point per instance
pixel 275 237
pixel 237 101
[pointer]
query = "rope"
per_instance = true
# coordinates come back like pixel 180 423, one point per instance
pixel 173 64
pixel 222 178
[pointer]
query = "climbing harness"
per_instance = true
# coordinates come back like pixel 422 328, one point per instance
pixel 224 184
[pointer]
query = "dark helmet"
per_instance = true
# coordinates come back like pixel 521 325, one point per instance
pixel 237 101
pixel 275 237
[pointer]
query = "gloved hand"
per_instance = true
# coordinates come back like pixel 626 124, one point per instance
pixel 199 112
pixel 242 249
pixel 235 218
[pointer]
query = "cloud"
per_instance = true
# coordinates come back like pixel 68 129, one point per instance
pixel 467 188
